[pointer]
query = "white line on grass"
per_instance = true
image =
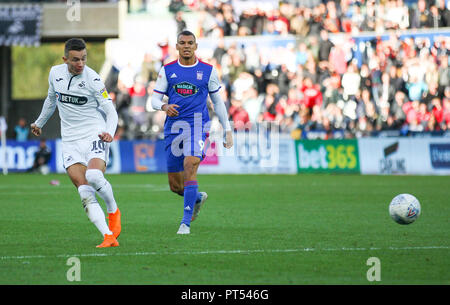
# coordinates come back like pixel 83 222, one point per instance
pixel 221 252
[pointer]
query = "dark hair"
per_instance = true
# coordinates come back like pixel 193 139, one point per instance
pixel 185 33
pixel 74 44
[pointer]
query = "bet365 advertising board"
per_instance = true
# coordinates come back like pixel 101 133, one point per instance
pixel 327 156
pixel 376 156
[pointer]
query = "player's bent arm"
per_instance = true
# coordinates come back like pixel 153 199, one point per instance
pixel 157 100
pixel 98 90
pixel 160 88
pixel 111 117
pixel 158 104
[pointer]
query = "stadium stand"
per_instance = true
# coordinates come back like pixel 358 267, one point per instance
pixel 348 86
pixel 334 69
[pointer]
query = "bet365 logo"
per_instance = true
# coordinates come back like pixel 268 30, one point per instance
pixel 327 155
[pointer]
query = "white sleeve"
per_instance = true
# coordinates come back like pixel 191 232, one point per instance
pixel 99 90
pixel 105 103
pixel 49 104
pixel 111 117
pixel 221 110
pixel 157 100
pixel 214 82
pixel 219 105
pixel 161 82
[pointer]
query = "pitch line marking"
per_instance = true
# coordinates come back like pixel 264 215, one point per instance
pixel 221 252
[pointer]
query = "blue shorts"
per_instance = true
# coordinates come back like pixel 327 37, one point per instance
pixel 179 146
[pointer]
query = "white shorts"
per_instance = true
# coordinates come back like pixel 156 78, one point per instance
pixel 82 151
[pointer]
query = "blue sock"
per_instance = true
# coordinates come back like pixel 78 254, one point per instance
pixel 198 197
pixel 190 195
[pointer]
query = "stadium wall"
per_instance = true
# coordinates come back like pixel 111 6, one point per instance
pixel 266 154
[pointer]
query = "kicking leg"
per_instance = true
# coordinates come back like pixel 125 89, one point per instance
pixel 77 173
pixel 96 178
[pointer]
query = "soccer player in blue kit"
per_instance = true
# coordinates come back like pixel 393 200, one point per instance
pixel 187 82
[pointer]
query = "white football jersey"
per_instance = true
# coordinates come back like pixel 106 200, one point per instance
pixel 78 98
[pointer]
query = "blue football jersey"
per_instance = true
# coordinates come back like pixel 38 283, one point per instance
pixel 188 87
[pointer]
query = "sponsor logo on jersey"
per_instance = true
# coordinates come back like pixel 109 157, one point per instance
pixel 71 99
pixel 59 79
pixel 104 93
pixel 185 89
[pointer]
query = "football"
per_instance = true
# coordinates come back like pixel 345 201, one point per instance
pixel 404 209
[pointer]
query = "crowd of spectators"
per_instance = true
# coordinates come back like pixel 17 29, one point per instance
pixel 308 17
pixel 316 82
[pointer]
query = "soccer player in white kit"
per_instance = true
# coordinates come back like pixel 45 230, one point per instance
pixel 88 124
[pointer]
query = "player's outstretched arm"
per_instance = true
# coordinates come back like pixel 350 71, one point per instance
pixel 47 111
pixel 48 108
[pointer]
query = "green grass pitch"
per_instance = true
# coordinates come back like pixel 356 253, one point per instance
pixel 253 230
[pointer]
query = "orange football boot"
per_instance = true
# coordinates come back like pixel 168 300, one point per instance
pixel 114 223
pixel 109 241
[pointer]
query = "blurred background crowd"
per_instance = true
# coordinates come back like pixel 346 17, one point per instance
pixel 316 83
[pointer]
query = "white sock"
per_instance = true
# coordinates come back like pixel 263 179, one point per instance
pixel 93 209
pixel 97 180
